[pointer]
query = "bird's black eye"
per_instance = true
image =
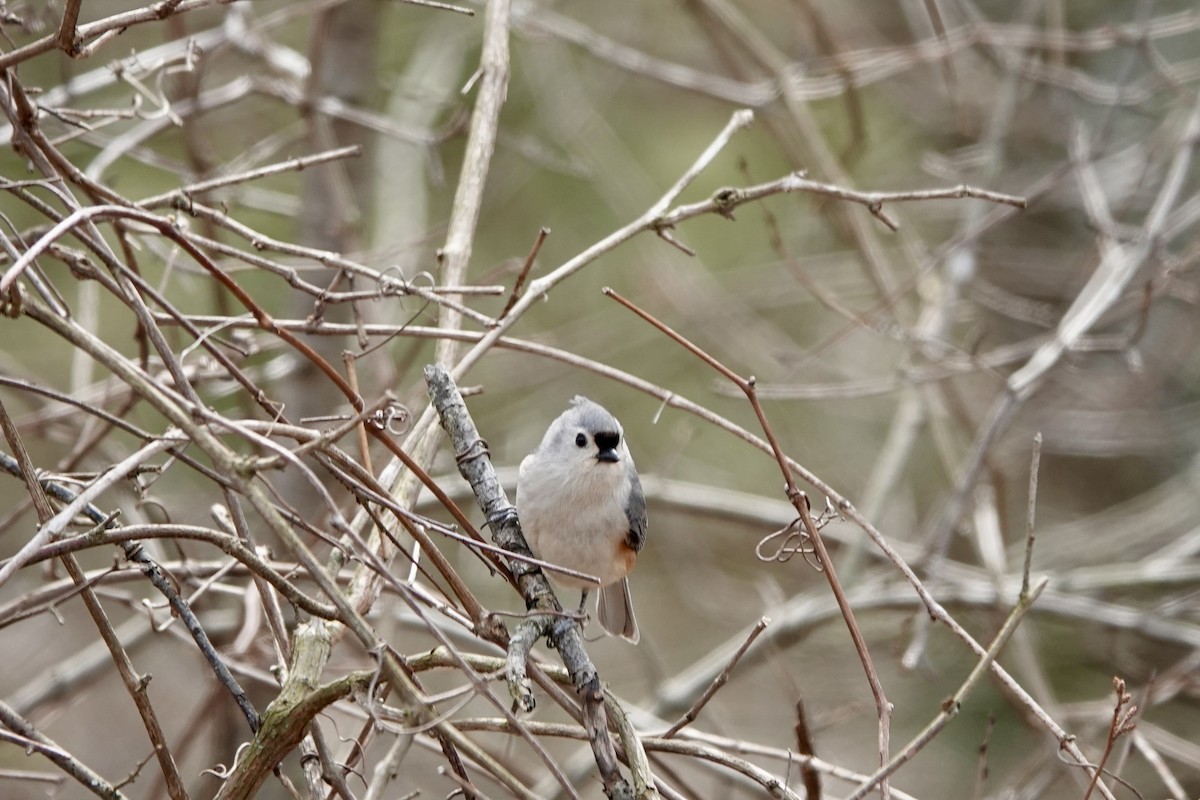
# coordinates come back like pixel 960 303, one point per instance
pixel 580 440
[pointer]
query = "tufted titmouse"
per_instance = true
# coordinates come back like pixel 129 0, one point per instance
pixel 581 506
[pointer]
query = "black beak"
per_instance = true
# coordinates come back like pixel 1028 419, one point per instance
pixel 607 443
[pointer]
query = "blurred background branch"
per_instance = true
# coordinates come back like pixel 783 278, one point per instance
pixel 231 234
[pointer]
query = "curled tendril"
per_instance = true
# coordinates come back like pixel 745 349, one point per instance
pixel 795 539
pixel 392 283
pixel 475 449
pixel 153 502
pixel 220 770
pixel 393 417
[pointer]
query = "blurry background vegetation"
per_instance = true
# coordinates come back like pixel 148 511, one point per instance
pixel 881 356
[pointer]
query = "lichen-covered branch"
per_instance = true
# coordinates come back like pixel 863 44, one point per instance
pixel 471 455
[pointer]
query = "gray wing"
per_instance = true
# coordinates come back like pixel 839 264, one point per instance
pixel 635 511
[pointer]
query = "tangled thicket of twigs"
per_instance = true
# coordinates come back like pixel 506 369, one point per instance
pixel 213 446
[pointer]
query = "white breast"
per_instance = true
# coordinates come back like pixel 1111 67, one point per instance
pixel 578 524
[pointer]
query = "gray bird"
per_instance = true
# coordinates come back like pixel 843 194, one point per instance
pixel 581 506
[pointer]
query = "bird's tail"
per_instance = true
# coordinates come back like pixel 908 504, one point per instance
pixel 614 608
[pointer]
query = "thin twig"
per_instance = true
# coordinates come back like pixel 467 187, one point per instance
pixel 1121 724
pixel 67 39
pixel 952 705
pixel 54 527
pixel 134 683
pixel 1030 511
pixel 799 501
pixel 690 715
pixel 725 201
pixel 804 746
pixel 183 193
pixel 519 283
pixel 38 742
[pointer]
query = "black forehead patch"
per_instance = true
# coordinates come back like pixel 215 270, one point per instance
pixel 593 417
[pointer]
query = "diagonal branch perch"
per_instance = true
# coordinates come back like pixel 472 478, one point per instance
pixel 471 455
